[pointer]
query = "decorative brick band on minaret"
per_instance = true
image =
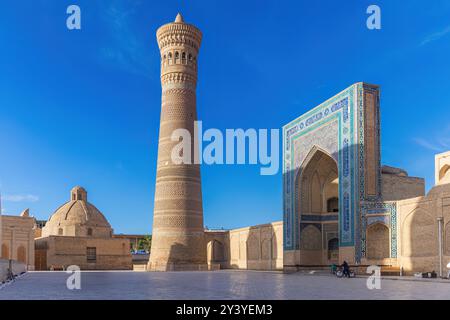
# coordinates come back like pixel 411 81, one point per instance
pixel 178 235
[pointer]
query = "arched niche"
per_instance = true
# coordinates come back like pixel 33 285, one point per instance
pixel 419 234
pixel 216 251
pixel 444 174
pixel 21 254
pixel 378 241
pixel 317 182
pixel 5 251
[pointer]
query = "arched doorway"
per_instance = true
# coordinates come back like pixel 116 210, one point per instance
pixel 318 208
pixel 444 174
pixel 5 252
pixel 419 235
pixel 215 252
pixel 447 239
pixel 333 250
pixel 378 243
pixel 21 254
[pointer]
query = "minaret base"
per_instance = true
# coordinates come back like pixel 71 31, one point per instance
pixel 154 266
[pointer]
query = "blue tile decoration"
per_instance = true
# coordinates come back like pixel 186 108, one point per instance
pixel 304 225
pixel 385 212
pixel 347 110
pixel 320 217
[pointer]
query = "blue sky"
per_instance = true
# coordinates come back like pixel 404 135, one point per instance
pixel 82 107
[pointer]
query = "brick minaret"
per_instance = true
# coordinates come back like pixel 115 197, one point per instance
pixel 178 236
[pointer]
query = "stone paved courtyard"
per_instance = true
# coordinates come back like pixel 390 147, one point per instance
pixel 215 285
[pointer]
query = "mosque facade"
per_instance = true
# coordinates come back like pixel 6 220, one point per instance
pixel 339 202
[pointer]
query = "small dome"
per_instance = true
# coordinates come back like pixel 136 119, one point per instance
pixel 25 213
pixel 78 189
pixel 394 171
pixel 77 217
pixel 78 193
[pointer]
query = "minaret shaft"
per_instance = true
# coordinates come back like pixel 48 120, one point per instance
pixel 178 236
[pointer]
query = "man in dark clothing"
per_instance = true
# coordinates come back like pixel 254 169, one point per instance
pixel 346 269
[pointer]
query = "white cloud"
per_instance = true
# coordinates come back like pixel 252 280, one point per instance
pixel 445 142
pixel 20 198
pixel 426 144
pixel 124 49
pixel 436 36
pixel 437 142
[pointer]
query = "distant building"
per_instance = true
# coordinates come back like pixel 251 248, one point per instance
pixel 134 239
pixel 139 256
pixel 17 243
pixel 38 228
pixel 79 234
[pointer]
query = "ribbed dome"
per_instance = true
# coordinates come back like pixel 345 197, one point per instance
pixel 77 218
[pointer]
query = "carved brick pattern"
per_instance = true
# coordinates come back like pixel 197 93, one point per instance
pixel 178 77
pixel 177 189
pixel 177 112
pixel 178 105
pixel 177 204
pixel 190 65
pixel 179 40
pixel 167 128
pixel 181 171
pixel 180 92
pixel 165 150
pixel 193 222
pixel 179 34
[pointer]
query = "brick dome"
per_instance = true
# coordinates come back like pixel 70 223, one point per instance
pixel 78 218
